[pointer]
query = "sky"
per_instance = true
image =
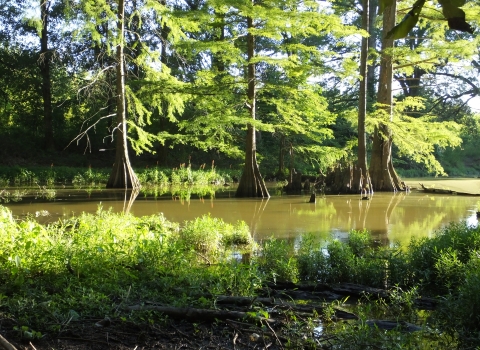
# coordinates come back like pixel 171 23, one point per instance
pixel 474 103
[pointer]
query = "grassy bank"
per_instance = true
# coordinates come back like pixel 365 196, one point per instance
pixel 57 277
pixel 53 175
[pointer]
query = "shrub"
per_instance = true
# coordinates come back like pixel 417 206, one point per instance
pixel 277 262
pixel 312 260
pixel 210 236
pixel 341 260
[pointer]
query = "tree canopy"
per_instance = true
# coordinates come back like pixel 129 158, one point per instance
pixel 215 79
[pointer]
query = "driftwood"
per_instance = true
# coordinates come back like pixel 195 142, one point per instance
pixel 437 190
pixel 337 291
pixel 282 296
pixel 359 290
pixel 391 325
pixel 283 305
pixel 193 314
pixel 424 303
pixel 445 191
pixel 4 344
pixel 331 291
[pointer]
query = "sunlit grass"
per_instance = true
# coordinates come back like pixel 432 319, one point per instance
pixel 91 265
pixel 90 177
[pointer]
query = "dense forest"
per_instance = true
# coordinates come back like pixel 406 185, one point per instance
pixel 266 86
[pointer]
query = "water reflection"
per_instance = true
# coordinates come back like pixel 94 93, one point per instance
pixel 390 217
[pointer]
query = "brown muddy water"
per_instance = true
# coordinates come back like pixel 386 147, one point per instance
pixel 389 217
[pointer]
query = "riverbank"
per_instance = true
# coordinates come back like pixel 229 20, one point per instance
pixel 82 283
pixel 459 185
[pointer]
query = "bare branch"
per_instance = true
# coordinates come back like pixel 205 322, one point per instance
pixel 475 89
pixel 85 132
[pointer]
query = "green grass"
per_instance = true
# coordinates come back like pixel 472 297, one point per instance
pixel 91 177
pixel 89 266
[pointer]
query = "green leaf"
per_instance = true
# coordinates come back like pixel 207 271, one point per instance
pixel 402 29
pixel 455 16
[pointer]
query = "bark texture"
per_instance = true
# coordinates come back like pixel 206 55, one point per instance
pixel 382 173
pixel 372 43
pixel 251 183
pixel 122 175
pixel 361 177
pixel 44 65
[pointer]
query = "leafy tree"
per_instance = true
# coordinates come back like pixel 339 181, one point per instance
pixel 122 174
pixel 44 64
pixel 384 176
pixel 42 19
pixel 144 84
pixel 251 183
pixel 287 58
pixel 362 179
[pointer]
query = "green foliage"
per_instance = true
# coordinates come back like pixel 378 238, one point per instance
pixel 86 267
pixel 90 178
pixel 402 29
pixel 48 176
pixel 74 267
pixel 460 311
pixel 418 138
pixel 450 9
pixel 312 260
pixel 277 262
pixel 152 176
pixel 209 236
pixel 439 263
pixel 341 261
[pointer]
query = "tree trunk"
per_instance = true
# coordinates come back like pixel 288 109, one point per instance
pixel 382 173
pixel 281 159
pixel 217 60
pixel 44 64
pixel 164 32
pixel 251 183
pixel 372 44
pixel 361 179
pixel 122 175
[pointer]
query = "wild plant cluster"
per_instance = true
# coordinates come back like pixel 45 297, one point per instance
pixel 182 182
pixel 95 265
pixel 148 176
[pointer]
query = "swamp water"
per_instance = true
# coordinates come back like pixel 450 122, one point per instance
pixel 389 217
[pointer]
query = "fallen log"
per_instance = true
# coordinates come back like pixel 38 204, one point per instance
pixel 283 305
pixel 436 190
pixel 351 289
pixel 330 290
pixel 193 314
pixel 424 303
pixel 445 191
pixel 394 325
pixel 337 291
pixel 317 295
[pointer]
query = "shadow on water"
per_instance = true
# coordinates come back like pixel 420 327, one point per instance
pixel 389 217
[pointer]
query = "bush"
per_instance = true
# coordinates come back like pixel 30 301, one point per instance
pixel 342 262
pixel 211 236
pixel 312 260
pixel 277 262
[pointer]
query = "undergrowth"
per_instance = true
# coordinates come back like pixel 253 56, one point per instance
pixel 81 177
pixel 93 265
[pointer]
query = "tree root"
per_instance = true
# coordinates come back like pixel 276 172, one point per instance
pixel 4 344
